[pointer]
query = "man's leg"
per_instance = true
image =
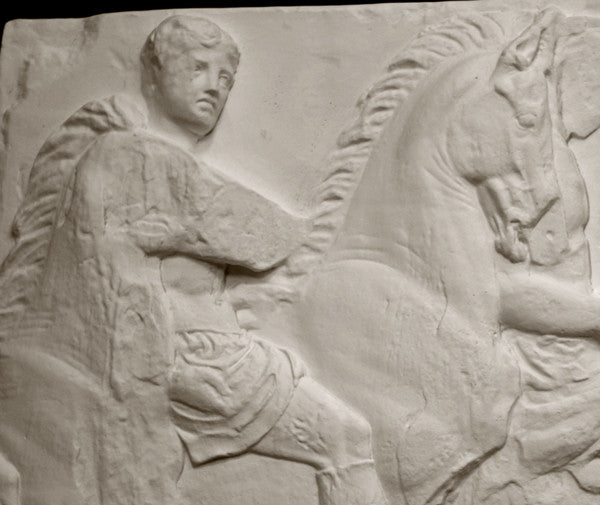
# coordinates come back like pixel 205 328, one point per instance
pixel 320 430
pixel 10 483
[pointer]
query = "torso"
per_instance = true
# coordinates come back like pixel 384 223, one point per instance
pixel 573 193
pixel 573 262
pixel 549 362
pixel 148 175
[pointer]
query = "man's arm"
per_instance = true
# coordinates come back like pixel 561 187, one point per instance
pixel 539 303
pixel 170 204
pixel 239 227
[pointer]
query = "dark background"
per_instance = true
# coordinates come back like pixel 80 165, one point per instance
pixel 15 9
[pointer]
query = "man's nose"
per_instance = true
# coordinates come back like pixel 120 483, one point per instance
pixel 211 81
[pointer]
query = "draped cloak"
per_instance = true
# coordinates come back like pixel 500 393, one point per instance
pixel 88 363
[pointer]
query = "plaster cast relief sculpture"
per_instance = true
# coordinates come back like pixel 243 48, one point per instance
pixel 440 288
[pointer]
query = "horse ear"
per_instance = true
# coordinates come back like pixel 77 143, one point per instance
pixel 534 48
pixel 522 70
pixel 525 49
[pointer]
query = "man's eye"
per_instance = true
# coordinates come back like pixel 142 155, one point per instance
pixel 200 65
pixel 225 80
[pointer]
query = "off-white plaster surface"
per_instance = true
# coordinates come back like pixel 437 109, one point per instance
pixel 409 342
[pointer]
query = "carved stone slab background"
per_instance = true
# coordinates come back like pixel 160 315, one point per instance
pixel 389 292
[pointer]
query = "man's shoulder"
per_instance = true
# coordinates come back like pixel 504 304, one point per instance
pixel 147 146
pixel 118 122
pixel 119 112
pixel 114 131
pixel 114 117
pixel 91 122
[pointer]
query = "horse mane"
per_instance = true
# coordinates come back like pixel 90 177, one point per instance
pixel 451 37
pixel 49 178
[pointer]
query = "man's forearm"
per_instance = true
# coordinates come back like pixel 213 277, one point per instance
pixel 238 228
pixel 542 304
pixel 250 230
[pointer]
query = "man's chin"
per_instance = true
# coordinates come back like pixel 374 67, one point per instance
pixel 199 125
pixel 199 129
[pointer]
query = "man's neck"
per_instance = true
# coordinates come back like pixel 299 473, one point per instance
pixel 165 127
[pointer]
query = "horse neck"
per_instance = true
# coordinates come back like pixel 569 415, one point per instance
pixel 412 210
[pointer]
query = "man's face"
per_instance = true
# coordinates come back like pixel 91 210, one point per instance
pixel 193 87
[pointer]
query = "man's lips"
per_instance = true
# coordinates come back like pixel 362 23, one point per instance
pixel 206 102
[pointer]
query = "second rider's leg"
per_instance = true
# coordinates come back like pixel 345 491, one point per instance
pixel 320 430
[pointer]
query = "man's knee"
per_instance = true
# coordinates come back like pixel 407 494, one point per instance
pixel 357 433
pixel 333 432
pixel 353 425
